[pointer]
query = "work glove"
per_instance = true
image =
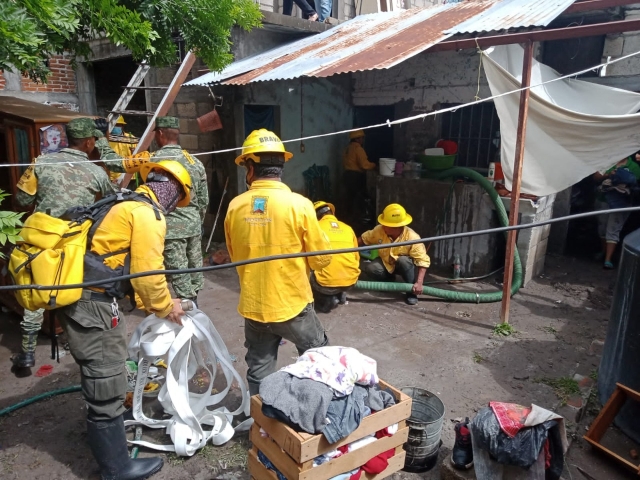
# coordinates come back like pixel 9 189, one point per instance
pixel 102 125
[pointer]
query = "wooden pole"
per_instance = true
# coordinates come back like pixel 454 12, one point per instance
pixel 163 107
pixel 517 180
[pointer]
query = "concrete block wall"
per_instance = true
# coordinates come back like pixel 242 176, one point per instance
pixel 618 45
pixel 532 243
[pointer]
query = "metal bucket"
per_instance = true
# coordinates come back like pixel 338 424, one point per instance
pixel 425 427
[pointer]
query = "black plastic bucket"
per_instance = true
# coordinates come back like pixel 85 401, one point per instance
pixel 425 427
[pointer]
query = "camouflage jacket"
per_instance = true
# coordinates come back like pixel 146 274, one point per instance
pixel 55 188
pixel 108 153
pixel 186 221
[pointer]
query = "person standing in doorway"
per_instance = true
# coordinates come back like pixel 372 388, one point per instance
pixel 268 219
pixel 355 164
pixel 183 246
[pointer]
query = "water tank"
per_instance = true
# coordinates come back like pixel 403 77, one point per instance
pixel 621 355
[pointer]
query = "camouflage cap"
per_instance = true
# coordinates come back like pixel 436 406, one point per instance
pixel 81 128
pixel 168 122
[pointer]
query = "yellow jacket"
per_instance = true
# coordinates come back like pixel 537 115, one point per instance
pixel 355 158
pixel 124 150
pixel 389 255
pixel 344 269
pixel 270 220
pixel 134 225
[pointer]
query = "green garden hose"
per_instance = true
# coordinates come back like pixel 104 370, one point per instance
pixel 37 398
pixel 451 295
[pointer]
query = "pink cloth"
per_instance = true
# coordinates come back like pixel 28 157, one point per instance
pixel 511 416
pixel 338 367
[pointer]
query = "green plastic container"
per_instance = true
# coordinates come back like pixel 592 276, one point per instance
pixel 436 162
pixel 370 254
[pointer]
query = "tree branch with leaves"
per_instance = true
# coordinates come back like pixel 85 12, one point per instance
pixel 10 223
pixel 31 31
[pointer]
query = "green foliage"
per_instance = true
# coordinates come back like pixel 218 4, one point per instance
pixel 10 224
pixel 503 330
pixel 33 30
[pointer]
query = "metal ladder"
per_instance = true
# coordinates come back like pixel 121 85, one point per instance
pixel 163 107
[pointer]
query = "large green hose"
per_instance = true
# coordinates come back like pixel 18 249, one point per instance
pixel 42 396
pixel 451 295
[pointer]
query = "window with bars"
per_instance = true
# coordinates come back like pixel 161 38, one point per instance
pixel 476 130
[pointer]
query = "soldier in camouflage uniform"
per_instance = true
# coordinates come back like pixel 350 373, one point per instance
pixel 54 189
pixel 183 244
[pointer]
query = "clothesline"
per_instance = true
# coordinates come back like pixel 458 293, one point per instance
pixel 388 123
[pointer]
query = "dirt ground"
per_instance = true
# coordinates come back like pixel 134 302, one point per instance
pixel 446 348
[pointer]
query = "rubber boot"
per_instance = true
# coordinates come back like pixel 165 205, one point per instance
pixel 108 444
pixel 26 358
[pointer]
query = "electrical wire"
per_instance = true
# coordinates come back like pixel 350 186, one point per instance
pixel 287 256
pixel 388 123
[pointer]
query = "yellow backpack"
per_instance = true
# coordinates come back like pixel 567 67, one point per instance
pixel 54 253
pixel 51 253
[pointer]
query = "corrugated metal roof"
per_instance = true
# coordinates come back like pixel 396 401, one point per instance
pixel 378 40
pixel 513 14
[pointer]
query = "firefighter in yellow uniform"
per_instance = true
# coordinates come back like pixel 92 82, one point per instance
pixel 331 283
pixel 131 232
pixel 269 219
pixel 410 262
pixel 355 164
pixel 123 149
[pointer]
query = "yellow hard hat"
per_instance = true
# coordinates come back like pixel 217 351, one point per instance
pixel 394 215
pixel 120 121
pixel 318 205
pixel 261 141
pixel 176 170
pixel 356 134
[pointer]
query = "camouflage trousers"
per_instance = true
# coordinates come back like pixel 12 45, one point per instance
pixel 32 321
pixel 182 253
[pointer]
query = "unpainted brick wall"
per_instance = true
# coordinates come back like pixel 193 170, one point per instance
pixel 2 80
pixel 61 80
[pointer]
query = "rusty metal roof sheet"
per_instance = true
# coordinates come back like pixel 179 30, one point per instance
pixel 374 41
pixel 513 14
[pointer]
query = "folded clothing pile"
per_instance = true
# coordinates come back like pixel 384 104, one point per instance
pixel 328 391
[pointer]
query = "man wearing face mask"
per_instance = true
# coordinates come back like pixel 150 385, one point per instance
pixel 96 329
pixel 275 297
pixel 183 246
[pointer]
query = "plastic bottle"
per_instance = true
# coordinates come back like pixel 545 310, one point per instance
pixel 457 266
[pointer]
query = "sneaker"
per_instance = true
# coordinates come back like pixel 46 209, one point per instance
pixel 462 454
pixel 343 298
pixel 608 266
pixel 313 18
pixel 411 299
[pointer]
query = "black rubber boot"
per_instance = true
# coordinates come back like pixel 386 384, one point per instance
pixel 462 454
pixel 108 444
pixel 26 358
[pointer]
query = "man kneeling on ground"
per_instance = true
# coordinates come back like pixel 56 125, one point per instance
pixel 410 262
pixel 330 284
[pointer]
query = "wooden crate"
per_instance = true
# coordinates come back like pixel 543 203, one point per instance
pixel 292 452
pixel 604 420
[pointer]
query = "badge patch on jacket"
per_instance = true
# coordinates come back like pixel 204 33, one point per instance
pixel 334 225
pixel 259 205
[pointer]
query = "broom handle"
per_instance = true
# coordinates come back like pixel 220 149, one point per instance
pixel 224 192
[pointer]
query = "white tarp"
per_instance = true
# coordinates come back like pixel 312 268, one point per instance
pixel 574 128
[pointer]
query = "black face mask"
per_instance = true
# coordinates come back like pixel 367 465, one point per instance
pixel 167 193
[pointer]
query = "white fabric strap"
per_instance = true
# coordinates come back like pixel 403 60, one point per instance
pixel 194 344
